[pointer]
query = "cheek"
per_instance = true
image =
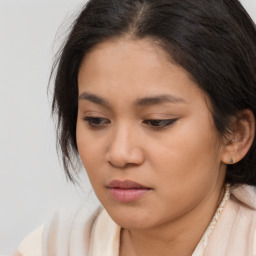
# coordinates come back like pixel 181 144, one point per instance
pixel 90 155
pixel 188 156
pixel 185 171
pixel 89 150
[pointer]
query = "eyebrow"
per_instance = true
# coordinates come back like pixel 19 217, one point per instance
pixel 146 101
pixel 93 98
pixel 153 100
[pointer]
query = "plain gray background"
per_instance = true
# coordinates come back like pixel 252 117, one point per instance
pixel 32 184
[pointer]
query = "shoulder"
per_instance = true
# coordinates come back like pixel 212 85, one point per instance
pixel 244 197
pixel 68 227
pixel 32 244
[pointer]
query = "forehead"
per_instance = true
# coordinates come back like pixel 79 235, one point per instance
pixel 128 67
pixel 120 53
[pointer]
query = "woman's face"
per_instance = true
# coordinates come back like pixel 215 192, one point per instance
pixel 145 134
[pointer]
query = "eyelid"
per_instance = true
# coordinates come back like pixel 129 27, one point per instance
pixel 165 123
pixel 98 122
pixel 159 116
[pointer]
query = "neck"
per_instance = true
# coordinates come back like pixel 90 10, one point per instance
pixel 177 237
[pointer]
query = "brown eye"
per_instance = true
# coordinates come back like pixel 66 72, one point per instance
pixel 96 122
pixel 159 123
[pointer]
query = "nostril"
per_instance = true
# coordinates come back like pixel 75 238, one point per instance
pixel 123 150
pixel 130 161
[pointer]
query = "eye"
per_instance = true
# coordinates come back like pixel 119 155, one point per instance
pixel 159 123
pixel 96 122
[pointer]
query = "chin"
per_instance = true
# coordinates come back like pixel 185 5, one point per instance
pixel 129 218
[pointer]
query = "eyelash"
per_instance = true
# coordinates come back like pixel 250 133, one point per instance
pixel 157 124
pixel 96 122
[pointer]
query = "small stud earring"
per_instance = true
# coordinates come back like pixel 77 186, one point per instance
pixel 231 161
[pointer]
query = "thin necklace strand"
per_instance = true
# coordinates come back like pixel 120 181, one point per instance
pixel 208 232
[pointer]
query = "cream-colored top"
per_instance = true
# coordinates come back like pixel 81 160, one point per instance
pixel 80 233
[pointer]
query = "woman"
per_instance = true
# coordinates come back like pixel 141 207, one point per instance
pixel 157 99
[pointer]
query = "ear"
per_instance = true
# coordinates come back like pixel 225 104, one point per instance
pixel 241 137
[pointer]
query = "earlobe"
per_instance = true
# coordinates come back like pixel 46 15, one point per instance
pixel 240 138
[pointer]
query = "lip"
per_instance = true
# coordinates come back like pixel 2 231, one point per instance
pixel 126 184
pixel 127 190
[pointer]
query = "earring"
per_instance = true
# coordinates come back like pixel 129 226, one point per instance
pixel 231 161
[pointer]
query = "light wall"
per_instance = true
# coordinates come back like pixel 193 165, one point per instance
pixel 32 184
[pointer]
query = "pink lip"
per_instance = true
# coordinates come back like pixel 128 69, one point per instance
pixel 126 191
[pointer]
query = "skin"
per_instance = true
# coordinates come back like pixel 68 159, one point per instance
pixel 182 161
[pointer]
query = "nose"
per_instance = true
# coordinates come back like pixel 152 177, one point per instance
pixel 125 148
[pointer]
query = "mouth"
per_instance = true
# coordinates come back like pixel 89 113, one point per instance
pixel 127 190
